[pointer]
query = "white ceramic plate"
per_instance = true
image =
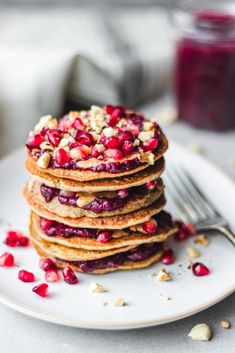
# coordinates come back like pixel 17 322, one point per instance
pixel 76 306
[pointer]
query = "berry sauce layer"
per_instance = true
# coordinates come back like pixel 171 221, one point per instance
pixel 110 139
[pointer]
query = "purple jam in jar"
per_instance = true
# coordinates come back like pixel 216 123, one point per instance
pixel 205 67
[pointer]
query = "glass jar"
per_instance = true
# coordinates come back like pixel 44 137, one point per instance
pixel 205 63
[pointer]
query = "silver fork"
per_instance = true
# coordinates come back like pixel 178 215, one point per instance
pixel 191 204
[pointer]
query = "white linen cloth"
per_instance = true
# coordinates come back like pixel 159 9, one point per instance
pixel 94 55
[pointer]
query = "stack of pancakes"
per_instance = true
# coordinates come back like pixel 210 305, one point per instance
pixel 96 200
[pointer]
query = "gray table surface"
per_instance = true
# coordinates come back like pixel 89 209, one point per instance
pixel 19 333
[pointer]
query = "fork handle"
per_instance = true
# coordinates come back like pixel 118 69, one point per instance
pixel 222 229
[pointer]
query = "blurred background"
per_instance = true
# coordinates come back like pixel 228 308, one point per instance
pixel 57 56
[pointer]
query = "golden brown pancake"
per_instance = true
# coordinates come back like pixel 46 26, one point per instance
pixel 120 238
pixel 135 202
pixel 151 173
pixel 113 222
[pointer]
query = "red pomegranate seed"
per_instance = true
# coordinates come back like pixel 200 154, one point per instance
pixel 151 184
pixel 52 276
pixel 150 226
pixel 26 276
pixel 125 136
pixel 103 236
pixel 54 136
pixel 62 156
pixel 46 264
pixel 7 260
pixel 23 241
pixel 113 120
pixel 111 142
pixel 41 289
pixel 45 223
pixel 78 124
pixel 184 231
pixel 12 238
pixel 69 275
pixel 150 144
pixel 95 152
pixel 84 138
pixel 118 111
pixel 114 153
pixel 127 146
pixel 168 257
pixel 109 108
pixel 123 193
pixel 65 123
pixel 35 141
pixel 200 270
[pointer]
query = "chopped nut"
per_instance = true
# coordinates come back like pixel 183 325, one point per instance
pixel 136 142
pixel 46 121
pixel 119 302
pixel 145 135
pixel 74 114
pixel 96 108
pixel 151 159
pixel 200 332
pixel 46 146
pixel 84 199
pixel 97 288
pixel 44 160
pixel 99 147
pixel 109 131
pixel 65 141
pixel 225 324
pixel 163 276
pixel 192 252
pixel 201 239
pixel 148 125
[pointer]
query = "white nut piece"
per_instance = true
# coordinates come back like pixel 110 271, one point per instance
pixel 46 146
pixel 109 131
pixel 136 142
pixel 119 302
pixel 148 125
pixel 151 159
pixel 44 160
pixel 193 252
pixel 202 240
pixel 200 332
pixel 97 288
pixel 225 324
pixel 163 276
pixel 46 121
pixel 145 135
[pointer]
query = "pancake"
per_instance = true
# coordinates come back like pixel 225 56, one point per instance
pixel 119 238
pixel 124 266
pixel 136 200
pixel 86 174
pixel 113 222
pixel 151 173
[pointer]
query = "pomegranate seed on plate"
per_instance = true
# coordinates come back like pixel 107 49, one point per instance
pixel 151 184
pixel 200 269
pixel 41 289
pixel 46 264
pixel 114 153
pixel 52 276
pixel 35 141
pixel 26 276
pixel 103 236
pixel 12 238
pixel 127 146
pixel 150 144
pixel 123 193
pixel 184 231
pixel 150 226
pixel 69 275
pixel 62 156
pixel 111 142
pixel 54 136
pixel 23 241
pixel 7 260
pixel 78 124
pixel 168 257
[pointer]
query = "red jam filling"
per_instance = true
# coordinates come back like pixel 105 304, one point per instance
pixel 140 253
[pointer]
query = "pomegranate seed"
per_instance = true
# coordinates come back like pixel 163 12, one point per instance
pixel 69 275
pixel 46 264
pixel 23 241
pixel 103 236
pixel 118 111
pixel 54 136
pixel 125 136
pixel 168 257
pixel 151 184
pixel 78 124
pixel 95 152
pixel 111 142
pixel 84 138
pixel 35 141
pixel 12 238
pixel 62 156
pixel 114 153
pixel 7 259
pixel 41 289
pixel 184 231
pixel 45 223
pixel 127 146
pixel 150 226
pixel 26 276
pixel 52 276
pixel 123 193
pixel 199 269
pixel 150 144
pixel 80 152
pixel 113 120
pixel 65 123
pixel 109 108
